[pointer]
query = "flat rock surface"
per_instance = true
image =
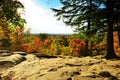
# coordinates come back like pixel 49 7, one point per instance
pixel 32 67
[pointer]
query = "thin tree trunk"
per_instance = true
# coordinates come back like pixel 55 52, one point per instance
pixel 88 28
pixel 86 47
pixel 110 47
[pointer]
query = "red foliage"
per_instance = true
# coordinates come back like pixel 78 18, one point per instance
pixel 26 48
pixel 35 47
pixel 103 43
pixel 37 44
pixel 116 41
pixel 77 45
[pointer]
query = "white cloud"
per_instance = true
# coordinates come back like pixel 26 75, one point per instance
pixel 41 19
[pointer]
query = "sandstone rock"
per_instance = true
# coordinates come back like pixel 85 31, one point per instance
pixel 16 58
pixel 19 52
pixel 44 55
pixel 107 74
pixel 38 67
pixel 6 63
pixel 4 53
pixel 11 60
pixel 31 57
pixel 88 78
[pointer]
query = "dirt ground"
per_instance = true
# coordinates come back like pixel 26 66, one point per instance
pixel 32 67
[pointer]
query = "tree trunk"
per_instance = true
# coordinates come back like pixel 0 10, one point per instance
pixel 88 28
pixel 110 47
pixel 86 48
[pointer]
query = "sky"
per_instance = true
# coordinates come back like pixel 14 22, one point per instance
pixel 40 18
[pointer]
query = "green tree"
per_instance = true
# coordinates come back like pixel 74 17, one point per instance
pixel 80 14
pixel 43 36
pixel 100 19
pixel 110 14
pixel 9 13
pixel 9 17
pixel 9 9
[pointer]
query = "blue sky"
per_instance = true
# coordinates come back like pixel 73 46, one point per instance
pixel 40 18
pixel 48 3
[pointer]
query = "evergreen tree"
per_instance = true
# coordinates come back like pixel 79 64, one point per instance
pixel 110 22
pixel 99 19
pixel 81 15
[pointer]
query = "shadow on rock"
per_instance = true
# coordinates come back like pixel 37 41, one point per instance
pixel 11 60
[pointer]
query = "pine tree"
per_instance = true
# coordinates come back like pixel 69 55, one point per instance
pixel 110 17
pixel 80 14
pixel 100 19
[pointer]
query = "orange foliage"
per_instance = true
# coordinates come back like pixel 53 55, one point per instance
pixel 18 30
pixel 37 44
pixel 101 44
pixel 26 48
pixel 77 45
pixel 47 42
pixel 116 42
pixel 35 47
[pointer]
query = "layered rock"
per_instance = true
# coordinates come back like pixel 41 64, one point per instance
pixel 39 67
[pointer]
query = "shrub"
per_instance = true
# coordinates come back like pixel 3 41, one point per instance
pixel 77 46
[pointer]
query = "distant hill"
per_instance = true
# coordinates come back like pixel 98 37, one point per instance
pixel 51 34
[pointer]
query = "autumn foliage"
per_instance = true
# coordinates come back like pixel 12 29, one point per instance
pixel 116 42
pixel 55 45
pixel 77 46
pixel 60 45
